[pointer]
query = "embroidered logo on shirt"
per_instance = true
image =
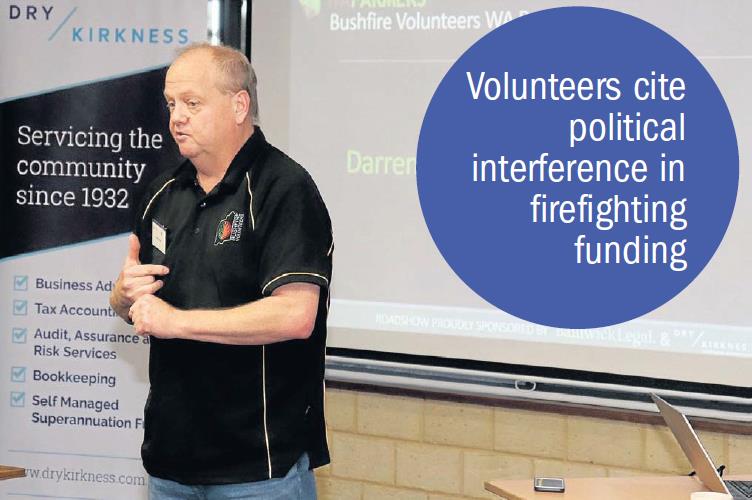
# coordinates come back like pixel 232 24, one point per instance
pixel 229 228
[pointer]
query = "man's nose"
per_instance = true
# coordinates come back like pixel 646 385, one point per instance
pixel 179 114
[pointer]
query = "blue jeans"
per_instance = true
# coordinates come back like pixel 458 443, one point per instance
pixel 298 484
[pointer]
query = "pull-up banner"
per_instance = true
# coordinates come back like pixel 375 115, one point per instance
pixel 83 130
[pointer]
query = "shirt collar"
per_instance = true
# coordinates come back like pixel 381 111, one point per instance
pixel 244 159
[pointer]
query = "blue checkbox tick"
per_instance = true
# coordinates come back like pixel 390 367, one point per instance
pixel 18 374
pixel 18 335
pixel 20 283
pixel 17 399
pixel 20 308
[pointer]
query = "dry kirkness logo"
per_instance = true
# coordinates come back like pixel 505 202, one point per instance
pixel 68 24
pixel 29 12
pixel 229 228
pixel 129 35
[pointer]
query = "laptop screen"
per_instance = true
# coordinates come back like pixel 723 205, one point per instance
pixel 691 445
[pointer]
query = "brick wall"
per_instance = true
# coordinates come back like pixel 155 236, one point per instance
pixel 403 448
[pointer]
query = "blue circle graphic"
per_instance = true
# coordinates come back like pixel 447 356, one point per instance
pixel 577 167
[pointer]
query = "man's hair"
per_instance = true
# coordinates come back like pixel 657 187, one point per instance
pixel 236 72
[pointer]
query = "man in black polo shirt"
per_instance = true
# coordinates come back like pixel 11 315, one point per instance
pixel 228 272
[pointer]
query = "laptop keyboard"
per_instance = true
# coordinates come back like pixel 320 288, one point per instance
pixel 740 489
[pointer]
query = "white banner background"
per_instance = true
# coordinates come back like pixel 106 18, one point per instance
pixel 44 47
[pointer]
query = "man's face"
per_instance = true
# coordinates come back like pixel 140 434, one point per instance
pixel 200 115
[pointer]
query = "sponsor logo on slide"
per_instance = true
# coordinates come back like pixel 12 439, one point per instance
pixel 311 8
pixel 229 228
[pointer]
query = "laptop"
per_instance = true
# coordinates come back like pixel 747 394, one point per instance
pixel 696 454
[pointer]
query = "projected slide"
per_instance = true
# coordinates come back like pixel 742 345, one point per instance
pixel 344 85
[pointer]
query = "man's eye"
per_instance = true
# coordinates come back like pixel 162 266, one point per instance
pixel 170 106
pixel 192 104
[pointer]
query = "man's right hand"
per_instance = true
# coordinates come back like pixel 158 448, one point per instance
pixel 135 280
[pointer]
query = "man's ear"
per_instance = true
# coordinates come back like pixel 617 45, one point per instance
pixel 241 106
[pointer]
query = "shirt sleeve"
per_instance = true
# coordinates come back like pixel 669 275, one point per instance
pixel 295 236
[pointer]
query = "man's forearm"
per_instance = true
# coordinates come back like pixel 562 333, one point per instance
pixel 286 316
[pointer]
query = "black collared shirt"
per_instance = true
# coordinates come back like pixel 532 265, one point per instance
pixel 219 414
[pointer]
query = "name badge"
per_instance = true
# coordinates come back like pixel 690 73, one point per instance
pixel 159 236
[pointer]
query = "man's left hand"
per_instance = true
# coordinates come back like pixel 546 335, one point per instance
pixel 153 316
